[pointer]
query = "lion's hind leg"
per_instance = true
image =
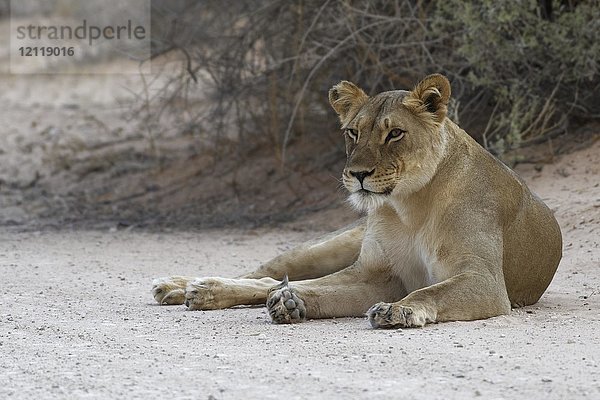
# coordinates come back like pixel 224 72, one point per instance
pixel 316 259
pixel 217 293
pixel 211 293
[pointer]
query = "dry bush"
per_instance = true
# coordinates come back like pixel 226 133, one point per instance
pixel 539 60
pixel 520 70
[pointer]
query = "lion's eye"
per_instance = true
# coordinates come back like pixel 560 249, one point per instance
pixel 395 134
pixel 352 133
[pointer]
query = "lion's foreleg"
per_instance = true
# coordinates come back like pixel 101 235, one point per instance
pixel 347 293
pixel 466 296
pixel 218 293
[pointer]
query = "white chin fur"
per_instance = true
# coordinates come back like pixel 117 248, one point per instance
pixel 366 203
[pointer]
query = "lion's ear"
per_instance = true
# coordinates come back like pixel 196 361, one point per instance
pixel 431 95
pixel 345 96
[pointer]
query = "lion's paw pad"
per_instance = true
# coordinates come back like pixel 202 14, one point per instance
pixel 284 305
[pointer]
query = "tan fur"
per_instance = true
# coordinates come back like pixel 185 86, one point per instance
pixel 451 232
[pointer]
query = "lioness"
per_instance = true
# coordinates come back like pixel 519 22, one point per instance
pixel 451 233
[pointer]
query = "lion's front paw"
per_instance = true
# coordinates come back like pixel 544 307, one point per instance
pixel 169 290
pixel 284 305
pixel 386 315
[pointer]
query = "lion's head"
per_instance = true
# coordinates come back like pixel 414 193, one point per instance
pixel 394 140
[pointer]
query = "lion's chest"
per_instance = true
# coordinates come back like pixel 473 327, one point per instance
pixel 407 254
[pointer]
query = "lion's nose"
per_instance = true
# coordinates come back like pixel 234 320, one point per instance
pixel 361 175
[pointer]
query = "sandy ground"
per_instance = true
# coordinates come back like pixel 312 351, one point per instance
pixel 77 321
pixel 91 149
